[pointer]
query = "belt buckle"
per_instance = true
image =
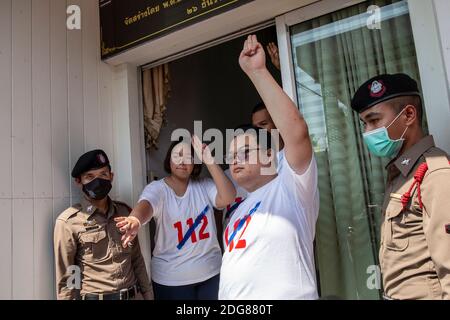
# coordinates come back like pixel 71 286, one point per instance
pixel 124 292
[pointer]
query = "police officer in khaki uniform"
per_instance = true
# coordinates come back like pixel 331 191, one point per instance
pixel 415 233
pixel 91 263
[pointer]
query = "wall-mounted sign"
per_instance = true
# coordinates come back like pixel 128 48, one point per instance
pixel 126 24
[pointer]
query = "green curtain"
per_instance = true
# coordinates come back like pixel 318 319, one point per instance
pixel 329 70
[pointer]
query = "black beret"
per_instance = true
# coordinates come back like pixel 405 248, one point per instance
pixel 94 159
pixel 382 88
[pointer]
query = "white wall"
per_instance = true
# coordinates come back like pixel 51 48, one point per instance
pixel 442 11
pixel 429 37
pixel 56 102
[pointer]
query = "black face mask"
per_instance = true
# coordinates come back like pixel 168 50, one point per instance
pixel 97 189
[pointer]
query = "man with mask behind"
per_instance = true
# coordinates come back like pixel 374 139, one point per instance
pixel 91 263
pixel 415 232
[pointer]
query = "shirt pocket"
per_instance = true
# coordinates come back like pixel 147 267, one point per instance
pixel 116 239
pixel 395 228
pixel 95 244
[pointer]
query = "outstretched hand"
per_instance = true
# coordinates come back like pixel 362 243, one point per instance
pixel 129 227
pixel 253 57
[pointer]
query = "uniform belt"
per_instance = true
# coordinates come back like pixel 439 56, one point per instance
pixel 124 294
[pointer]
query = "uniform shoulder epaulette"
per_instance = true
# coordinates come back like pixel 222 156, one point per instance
pixel 436 159
pixel 120 203
pixel 68 213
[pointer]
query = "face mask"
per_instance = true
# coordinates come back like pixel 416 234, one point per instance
pixel 97 189
pixel 380 144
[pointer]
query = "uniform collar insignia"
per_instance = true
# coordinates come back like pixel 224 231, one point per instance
pixel 90 223
pixel 87 207
pixel 413 155
pixel 406 162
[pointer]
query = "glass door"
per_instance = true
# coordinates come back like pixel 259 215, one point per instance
pixel 331 56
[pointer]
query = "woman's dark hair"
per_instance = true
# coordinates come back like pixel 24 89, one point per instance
pixel 197 167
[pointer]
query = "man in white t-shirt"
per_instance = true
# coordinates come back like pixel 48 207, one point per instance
pixel 241 193
pixel 269 239
pixel 261 119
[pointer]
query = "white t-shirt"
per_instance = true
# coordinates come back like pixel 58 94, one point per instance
pixel 271 255
pixel 241 193
pixel 182 257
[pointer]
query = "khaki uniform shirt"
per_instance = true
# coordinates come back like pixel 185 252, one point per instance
pixel 415 243
pixel 90 240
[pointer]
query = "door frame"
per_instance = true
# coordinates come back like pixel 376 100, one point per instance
pixel 434 80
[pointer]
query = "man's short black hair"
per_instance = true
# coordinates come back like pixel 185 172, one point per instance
pixel 263 137
pixel 197 167
pixel 260 106
pixel 398 104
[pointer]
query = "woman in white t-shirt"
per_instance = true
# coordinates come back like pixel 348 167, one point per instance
pixel 187 256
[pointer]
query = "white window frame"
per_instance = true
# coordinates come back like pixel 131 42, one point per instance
pixel 429 57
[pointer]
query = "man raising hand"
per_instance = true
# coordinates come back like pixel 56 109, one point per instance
pixel 269 240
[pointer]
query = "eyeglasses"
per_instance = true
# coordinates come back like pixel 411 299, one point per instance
pixel 241 156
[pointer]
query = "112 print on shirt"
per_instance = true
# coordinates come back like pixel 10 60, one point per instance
pixel 238 225
pixel 202 219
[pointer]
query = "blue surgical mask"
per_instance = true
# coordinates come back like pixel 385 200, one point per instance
pixel 380 144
